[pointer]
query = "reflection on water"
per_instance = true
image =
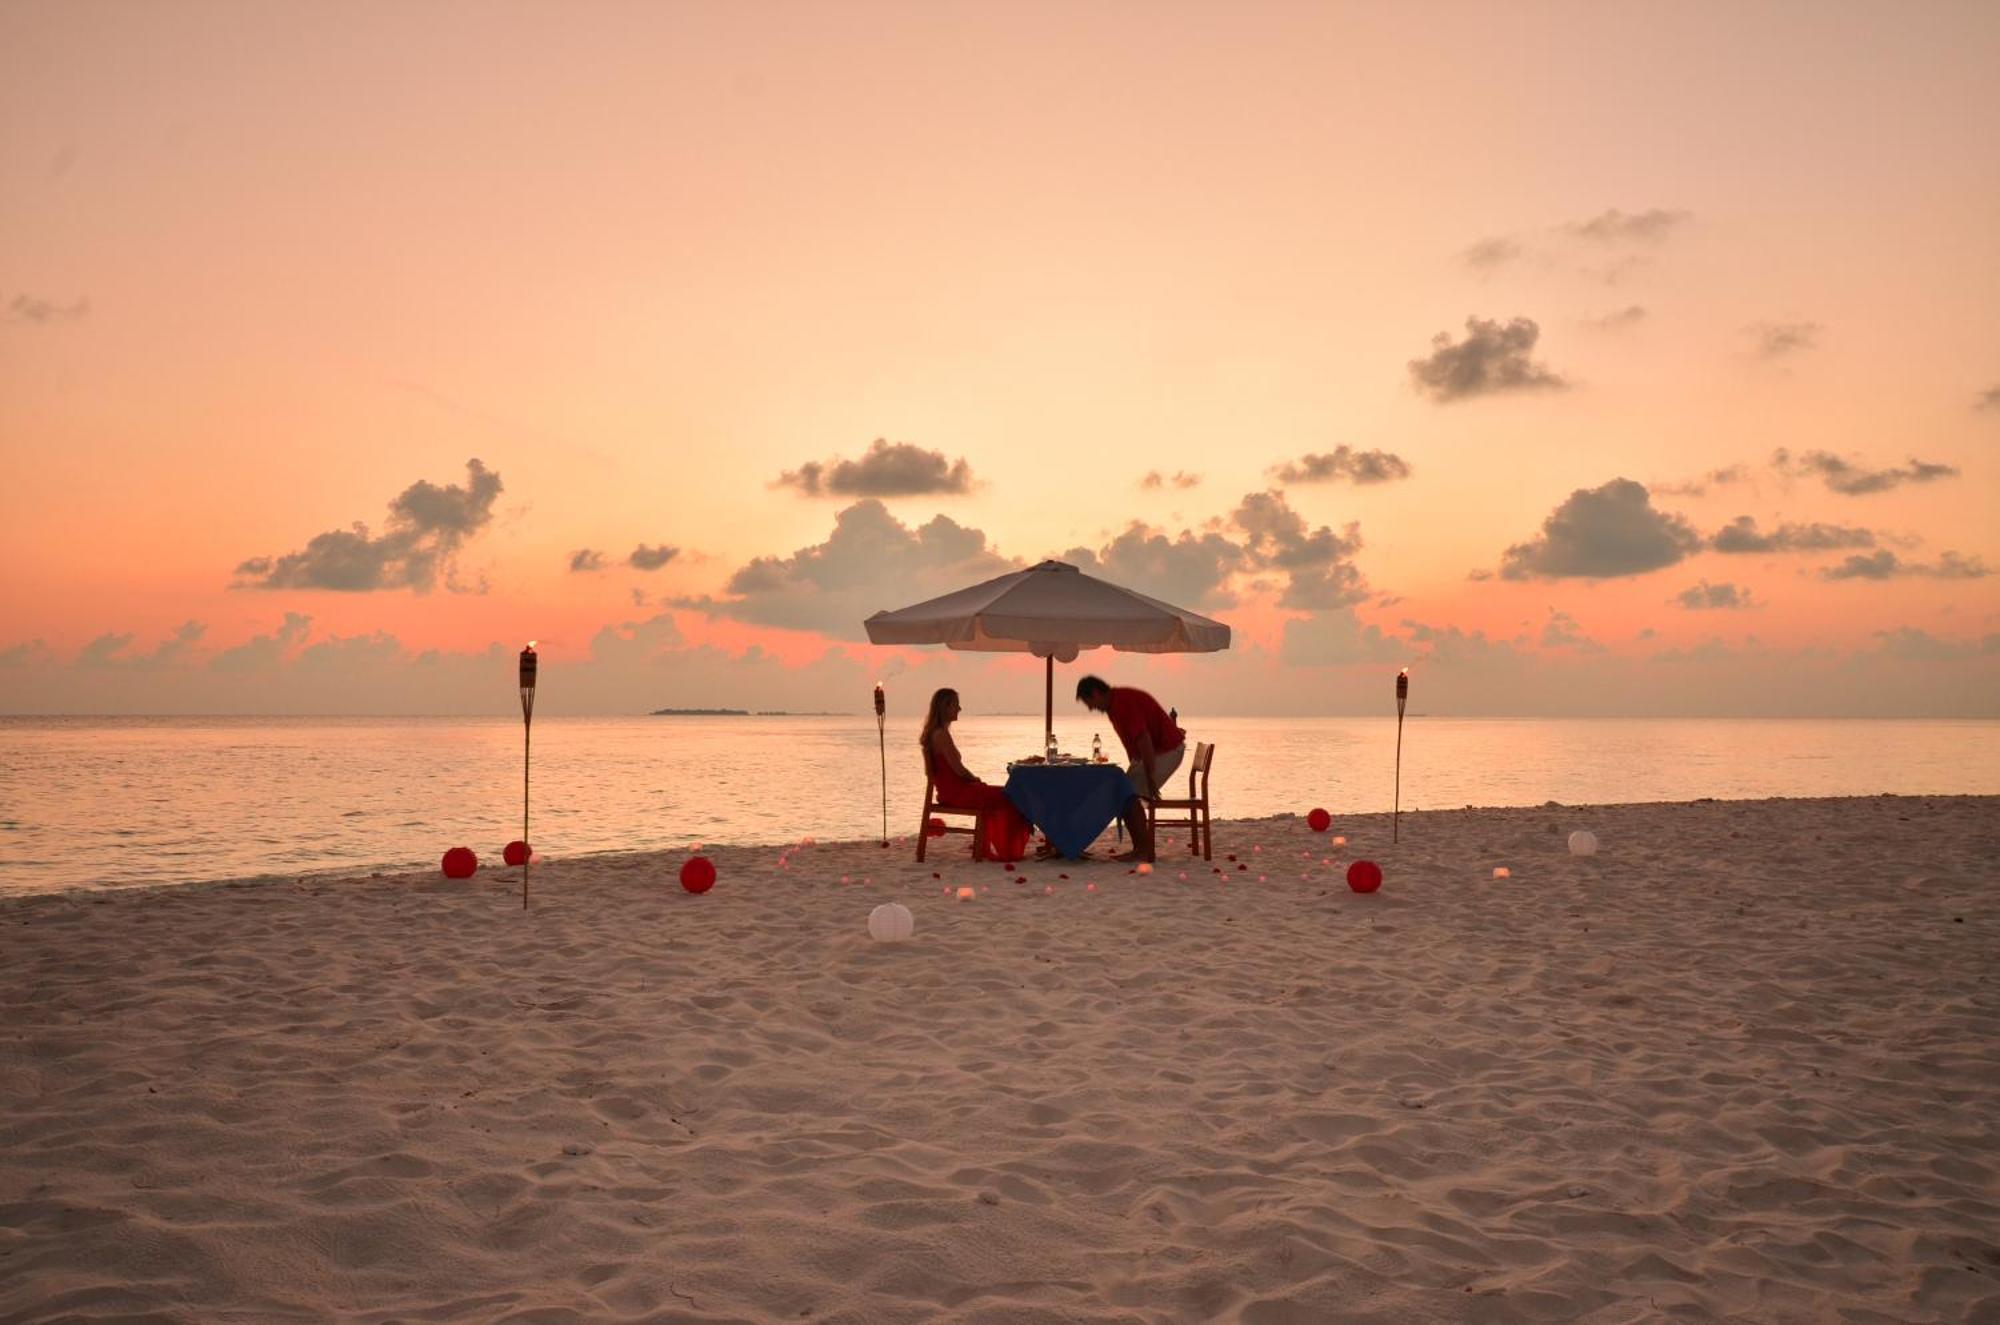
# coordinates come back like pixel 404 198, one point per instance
pixel 121 801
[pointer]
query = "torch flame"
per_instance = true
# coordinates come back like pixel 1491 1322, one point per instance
pixel 531 644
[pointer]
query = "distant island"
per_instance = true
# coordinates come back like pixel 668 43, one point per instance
pixel 738 713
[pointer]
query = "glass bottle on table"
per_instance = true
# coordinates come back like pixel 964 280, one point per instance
pixel 1052 747
pixel 1096 748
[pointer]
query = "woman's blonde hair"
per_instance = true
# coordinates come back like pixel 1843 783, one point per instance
pixel 934 718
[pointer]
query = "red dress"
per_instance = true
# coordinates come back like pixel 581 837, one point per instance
pixel 1007 830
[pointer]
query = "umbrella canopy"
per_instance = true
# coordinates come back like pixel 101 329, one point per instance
pixel 1053 611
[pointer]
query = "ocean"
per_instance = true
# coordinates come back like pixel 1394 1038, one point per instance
pixel 121 802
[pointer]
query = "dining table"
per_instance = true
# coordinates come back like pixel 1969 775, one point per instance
pixel 1070 801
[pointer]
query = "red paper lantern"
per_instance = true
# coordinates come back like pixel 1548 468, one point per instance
pixel 698 874
pixel 460 863
pixel 1319 821
pixel 934 828
pixel 1364 876
pixel 516 853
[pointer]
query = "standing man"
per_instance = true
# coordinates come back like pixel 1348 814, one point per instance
pixel 1153 742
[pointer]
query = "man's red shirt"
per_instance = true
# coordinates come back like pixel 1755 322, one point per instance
pixel 1133 712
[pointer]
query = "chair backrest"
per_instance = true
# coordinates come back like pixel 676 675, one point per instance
pixel 1204 756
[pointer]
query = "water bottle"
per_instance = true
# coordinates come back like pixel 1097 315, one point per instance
pixel 1096 748
pixel 1052 747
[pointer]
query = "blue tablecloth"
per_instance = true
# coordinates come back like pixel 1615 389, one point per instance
pixel 1070 803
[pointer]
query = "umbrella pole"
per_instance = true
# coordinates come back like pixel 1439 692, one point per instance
pixel 1049 703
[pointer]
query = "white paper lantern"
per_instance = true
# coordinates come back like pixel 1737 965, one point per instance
pixel 891 922
pixel 1582 843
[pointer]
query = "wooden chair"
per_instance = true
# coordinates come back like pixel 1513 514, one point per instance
pixel 932 808
pixel 1201 828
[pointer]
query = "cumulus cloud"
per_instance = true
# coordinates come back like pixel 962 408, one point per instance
pixel 28 653
pixel 1188 570
pixel 1741 535
pixel 1358 467
pixel 41 312
pixel 109 649
pixel 1705 597
pixel 1922 646
pixel 1318 564
pixel 1615 227
pixel 264 653
pixel 1844 476
pixel 586 559
pixel 1180 478
pixel 1337 638
pixel 1561 631
pixel 1493 358
pixel 1599 533
pixel 651 557
pixel 1629 316
pixel 1776 340
pixel 427 527
pixel 1491 254
pixel 1886 565
pixel 889 469
pixel 870 562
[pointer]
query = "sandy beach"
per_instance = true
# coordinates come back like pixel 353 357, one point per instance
pixel 1743 1064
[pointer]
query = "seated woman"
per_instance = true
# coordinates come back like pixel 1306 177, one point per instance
pixel 1007 831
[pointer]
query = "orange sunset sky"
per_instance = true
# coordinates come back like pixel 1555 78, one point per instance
pixel 1585 358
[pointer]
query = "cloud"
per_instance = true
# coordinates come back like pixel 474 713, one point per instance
pixel 1560 631
pixel 42 312
pixel 888 469
pixel 1180 478
pixel 1492 358
pixel 1886 565
pixel 1318 564
pixel 1990 400
pixel 28 653
pixel 1492 254
pixel 1844 476
pixel 648 557
pixel 1629 316
pixel 1714 478
pixel 870 562
pixel 586 559
pixel 427 526
pixel 1741 535
pixel 1775 340
pixel 1705 597
pixel 1337 638
pixel 109 649
pixel 265 653
pixel 1188 570
pixel 1599 533
pixel 1358 467
pixel 1615 227
pixel 1921 646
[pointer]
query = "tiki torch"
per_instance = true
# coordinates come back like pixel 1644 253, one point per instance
pixel 882 742
pixel 1402 698
pixel 527 725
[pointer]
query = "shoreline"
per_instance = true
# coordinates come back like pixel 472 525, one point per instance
pixel 621 857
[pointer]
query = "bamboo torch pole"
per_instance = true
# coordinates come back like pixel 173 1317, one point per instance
pixel 1402 698
pixel 527 729
pixel 882 743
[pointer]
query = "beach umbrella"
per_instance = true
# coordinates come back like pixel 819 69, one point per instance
pixel 1053 611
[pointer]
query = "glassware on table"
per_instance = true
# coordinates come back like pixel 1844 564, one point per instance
pixel 1096 748
pixel 1052 747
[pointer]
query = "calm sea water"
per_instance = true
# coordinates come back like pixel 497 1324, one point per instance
pixel 114 802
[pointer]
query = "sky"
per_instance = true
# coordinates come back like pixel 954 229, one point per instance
pixel 1585 359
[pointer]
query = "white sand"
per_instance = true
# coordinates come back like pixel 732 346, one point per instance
pixel 1743 1065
